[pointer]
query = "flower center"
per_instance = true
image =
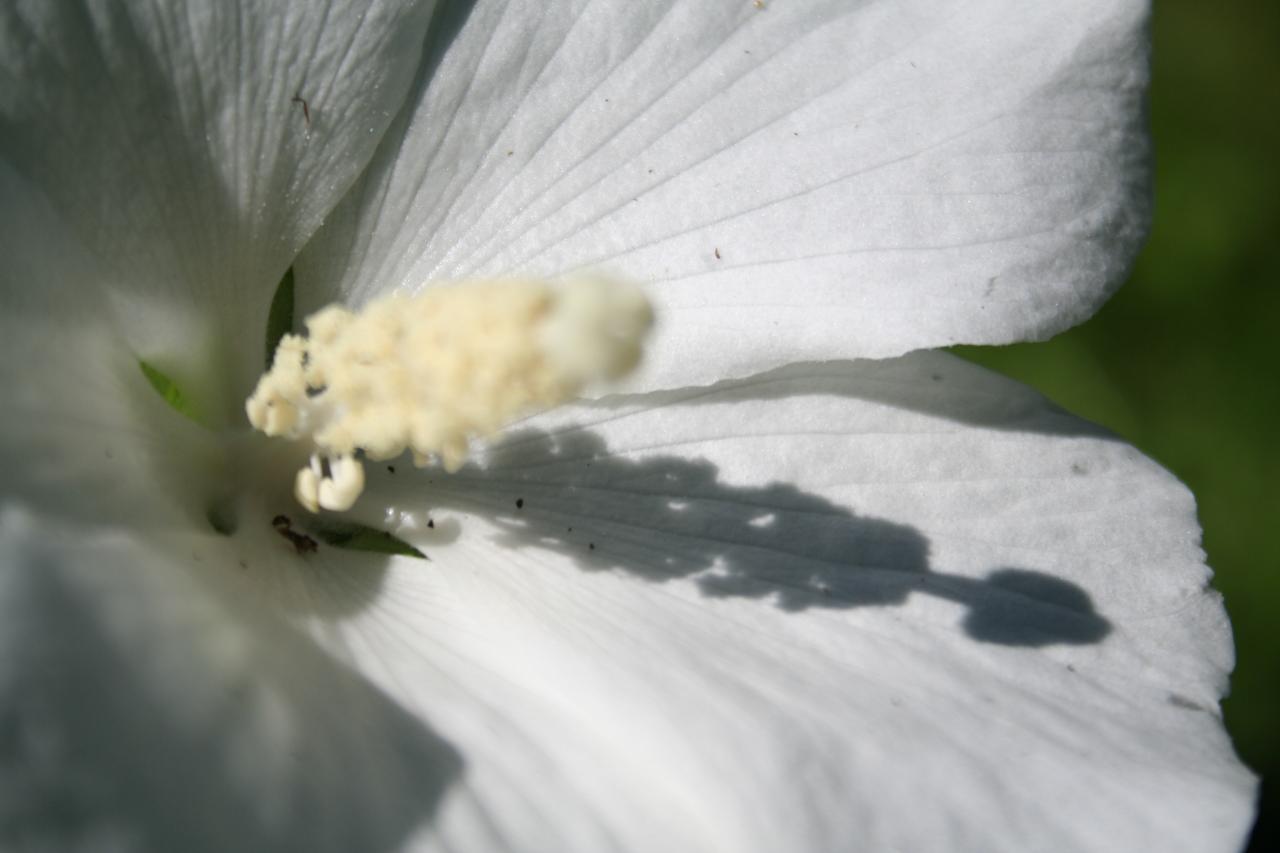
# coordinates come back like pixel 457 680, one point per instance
pixel 429 373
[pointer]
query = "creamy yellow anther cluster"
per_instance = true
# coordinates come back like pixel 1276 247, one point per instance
pixel 428 373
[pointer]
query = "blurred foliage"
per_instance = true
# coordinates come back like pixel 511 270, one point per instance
pixel 1181 361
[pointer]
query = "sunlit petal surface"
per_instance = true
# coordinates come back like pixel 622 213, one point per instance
pixel 897 605
pixel 802 180
pixel 848 605
pixel 900 603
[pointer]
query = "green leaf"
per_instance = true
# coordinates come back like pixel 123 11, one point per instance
pixel 357 537
pixel 280 317
pixel 169 390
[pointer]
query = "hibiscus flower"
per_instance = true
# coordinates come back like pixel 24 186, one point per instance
pixel 772 595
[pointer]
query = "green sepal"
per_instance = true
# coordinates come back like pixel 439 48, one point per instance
pixel 169 391
pixel 280 317
pixel 357 537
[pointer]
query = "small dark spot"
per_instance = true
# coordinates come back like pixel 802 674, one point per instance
pixel 717 253
pixel 391 469
pixel 913 65
pixel 431 522
pixel 606 100
pixel 591 545
pixel 1071 667
pixel 568 530
pixel 301 542
pixel 509 153
pixel 519 503
pixel 651 171
pixel 795 133
pixel 306 108
pixel 244 564
pixel 1079 468
pixel 316 392
pixel 937 377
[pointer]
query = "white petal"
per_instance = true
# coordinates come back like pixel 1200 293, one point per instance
pixel 146 703
pixel 807 180
pixel 82 434
pixel 906 605
pixel 146 708
pixel 168 136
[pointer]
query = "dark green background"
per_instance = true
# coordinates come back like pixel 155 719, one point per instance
pixel 1182 361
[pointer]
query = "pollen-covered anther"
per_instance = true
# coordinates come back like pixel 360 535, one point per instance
pixel 335 488
pixel 429 373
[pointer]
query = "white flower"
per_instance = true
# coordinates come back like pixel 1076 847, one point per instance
pixel 819 604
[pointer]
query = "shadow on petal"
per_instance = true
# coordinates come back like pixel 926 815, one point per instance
pixel 1022 608
pixel 149 707
pixel 661 518
pixel 930 382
